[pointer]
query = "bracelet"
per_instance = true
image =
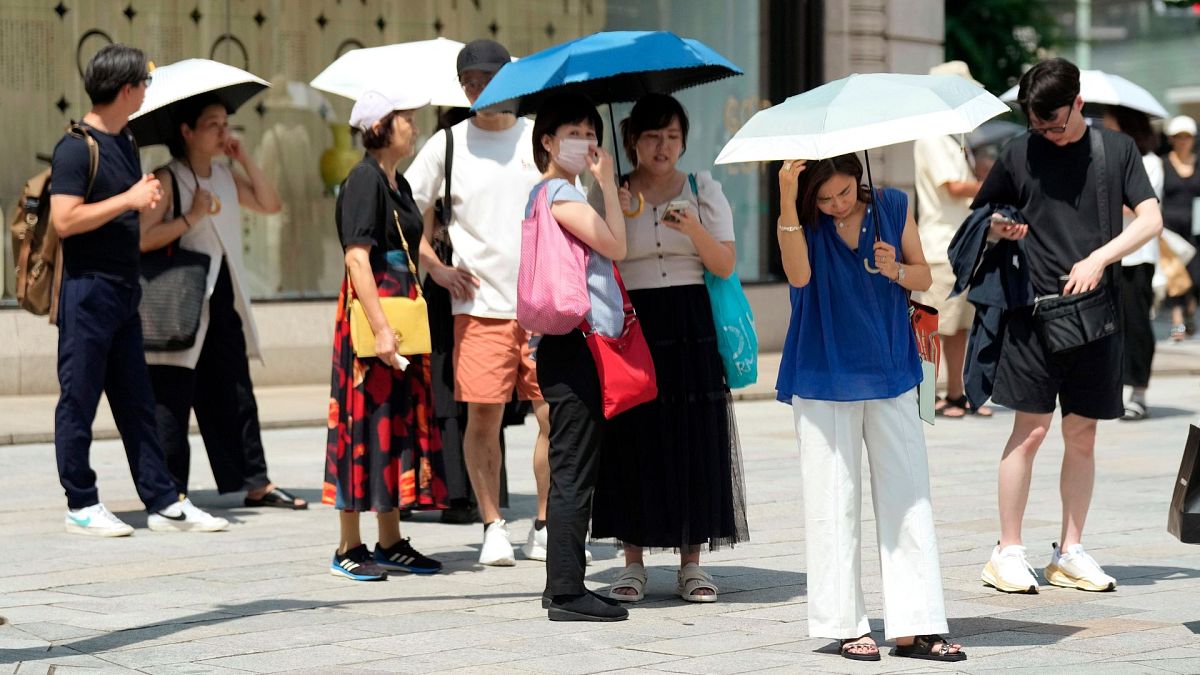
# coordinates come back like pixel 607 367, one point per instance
pixel 185 220
pixel 790 228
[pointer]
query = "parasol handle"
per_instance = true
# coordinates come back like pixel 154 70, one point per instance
pixel 616 144
pixel 874 211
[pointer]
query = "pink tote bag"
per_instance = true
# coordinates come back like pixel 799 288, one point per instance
pixel 552 294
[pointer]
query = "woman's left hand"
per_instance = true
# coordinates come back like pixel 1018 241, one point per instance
pixel 885 260
pixel 235 150
pixel 685 222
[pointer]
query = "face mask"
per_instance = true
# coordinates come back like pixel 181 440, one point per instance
pixel 573 153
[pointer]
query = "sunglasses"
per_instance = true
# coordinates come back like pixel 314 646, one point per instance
pixel 1042 131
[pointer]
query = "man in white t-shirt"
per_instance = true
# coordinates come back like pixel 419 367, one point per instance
pixel 945 185
pixel 493 173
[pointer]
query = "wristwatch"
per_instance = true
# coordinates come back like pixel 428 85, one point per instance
pixel 899 273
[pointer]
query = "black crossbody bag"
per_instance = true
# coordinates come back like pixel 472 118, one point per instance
pixel 1068 322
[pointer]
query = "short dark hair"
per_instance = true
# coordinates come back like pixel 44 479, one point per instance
pixel 651 112
pixel 1048 86
pixel 1137 126
pixel 188 112
pixel 110 69
pixel 816 173
pixel 374 139
pixel 558 110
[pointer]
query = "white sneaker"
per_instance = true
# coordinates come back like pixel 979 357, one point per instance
pixel 96 521
pixel 1077 569
pixel 183 516
pixel 1009 571
pixel 535 545
pixel 497 548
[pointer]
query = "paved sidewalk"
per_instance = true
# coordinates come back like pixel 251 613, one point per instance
pixel 259 599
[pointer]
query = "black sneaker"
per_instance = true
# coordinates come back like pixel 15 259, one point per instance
pixel 586 607
pixel 357 564
pixel 402 556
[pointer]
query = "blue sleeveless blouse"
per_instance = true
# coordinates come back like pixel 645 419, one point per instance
pixel 850 338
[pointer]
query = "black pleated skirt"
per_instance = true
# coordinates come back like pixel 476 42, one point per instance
pixel 671 470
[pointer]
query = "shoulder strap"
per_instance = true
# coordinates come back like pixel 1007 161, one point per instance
pixel 80 131
pixel 412 268
pixel 696 191
pixel 1105 216
pixel 449 164
pixel 176 207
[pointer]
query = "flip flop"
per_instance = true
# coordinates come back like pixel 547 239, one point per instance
pixel 872 653
pixel 922 648
pixel 277 498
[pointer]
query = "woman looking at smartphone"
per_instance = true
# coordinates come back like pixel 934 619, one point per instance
pixel 670 473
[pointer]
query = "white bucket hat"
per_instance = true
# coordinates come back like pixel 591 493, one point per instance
pixel 376 104
pixel 1181 124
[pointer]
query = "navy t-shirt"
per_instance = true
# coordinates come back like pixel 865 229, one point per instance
pixel 112 248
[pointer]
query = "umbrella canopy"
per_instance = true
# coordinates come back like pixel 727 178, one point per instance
pixel 1097 86
pixel 173 83
pixel 608 67
pixel 435 61
pixel 861 112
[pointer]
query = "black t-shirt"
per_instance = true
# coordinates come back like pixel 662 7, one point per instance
pixel 365 206
pixel 112 248
pixel 1055 190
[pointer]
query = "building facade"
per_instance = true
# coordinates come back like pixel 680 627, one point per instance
pixel 293 259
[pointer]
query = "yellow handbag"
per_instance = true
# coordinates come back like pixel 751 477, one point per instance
pixel 408 317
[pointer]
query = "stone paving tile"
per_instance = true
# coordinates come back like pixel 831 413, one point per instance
pixel 43 658
pixel 312 658
pixel 730 662
pixel 592 662
pixel 702 645
pixel 1125 644
pixel 184 652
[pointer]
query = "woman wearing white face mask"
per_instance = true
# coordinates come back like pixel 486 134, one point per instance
pixel 564 144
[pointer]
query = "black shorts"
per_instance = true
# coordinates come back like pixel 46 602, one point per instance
pixel 1085 381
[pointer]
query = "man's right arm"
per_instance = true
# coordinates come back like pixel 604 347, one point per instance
pixel 69 182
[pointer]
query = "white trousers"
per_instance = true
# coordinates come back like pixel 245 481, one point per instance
pixel 831 436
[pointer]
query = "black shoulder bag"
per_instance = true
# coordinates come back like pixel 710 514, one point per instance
pixel 173 281
pixel 1068 322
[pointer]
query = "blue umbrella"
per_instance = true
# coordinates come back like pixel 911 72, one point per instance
pixel 608 67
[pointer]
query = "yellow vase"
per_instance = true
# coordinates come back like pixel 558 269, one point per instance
pixel 337 160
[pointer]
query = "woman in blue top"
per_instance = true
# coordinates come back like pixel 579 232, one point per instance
pixel 564 145
pixel 850 370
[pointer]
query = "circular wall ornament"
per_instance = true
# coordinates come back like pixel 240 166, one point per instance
pixel 233 40
pixel 89 43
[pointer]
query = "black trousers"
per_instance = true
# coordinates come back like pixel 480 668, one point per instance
pixel 567 377
pixel 1137 298
pixel 100 351
pixel 220 391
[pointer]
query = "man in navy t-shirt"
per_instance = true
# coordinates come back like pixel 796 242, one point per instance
pixel 99 329
pixel 1052 175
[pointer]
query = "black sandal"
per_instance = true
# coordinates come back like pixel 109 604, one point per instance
pixel 847 645
pixel 276 498
pixel 922 648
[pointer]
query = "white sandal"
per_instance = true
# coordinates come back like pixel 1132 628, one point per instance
pixel 633 577
pixel 691 579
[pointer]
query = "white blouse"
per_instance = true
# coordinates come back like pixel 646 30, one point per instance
pixel 659 256
pixel 219 236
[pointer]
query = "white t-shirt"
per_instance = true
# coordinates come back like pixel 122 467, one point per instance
pixel 492 174
pixel 940 160
pixel 1148 253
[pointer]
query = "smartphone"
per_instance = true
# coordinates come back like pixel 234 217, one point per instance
pixel 675 206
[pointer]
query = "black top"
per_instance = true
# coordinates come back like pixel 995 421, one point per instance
pixel 112 248
pixel 364 213
pixel 1178 193
pixel 1055 189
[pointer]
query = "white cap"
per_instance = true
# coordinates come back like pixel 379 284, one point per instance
pixel 1181 124
pixel 376 104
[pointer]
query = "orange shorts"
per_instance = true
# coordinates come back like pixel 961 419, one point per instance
pixel 490 357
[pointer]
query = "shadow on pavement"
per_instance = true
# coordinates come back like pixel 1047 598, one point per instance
pixel 736 584
pixel 1148 575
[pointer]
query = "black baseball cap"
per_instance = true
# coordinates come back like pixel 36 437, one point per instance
pixel 485 55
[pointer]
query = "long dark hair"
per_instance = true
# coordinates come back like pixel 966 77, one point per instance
pixel 1137 126
pixel 815 174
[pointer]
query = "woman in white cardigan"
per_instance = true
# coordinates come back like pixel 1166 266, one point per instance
pixel 213 376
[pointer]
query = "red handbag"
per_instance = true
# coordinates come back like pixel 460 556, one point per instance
pixel 925 327
pixel 623 364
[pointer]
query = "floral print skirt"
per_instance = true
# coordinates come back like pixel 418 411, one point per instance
pixel 384 450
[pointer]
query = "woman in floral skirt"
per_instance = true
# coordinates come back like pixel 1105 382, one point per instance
pixel 384 451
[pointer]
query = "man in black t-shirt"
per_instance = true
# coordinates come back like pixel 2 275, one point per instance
pixel 1051 176
pixel 99 329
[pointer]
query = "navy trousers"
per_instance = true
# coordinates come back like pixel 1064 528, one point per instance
pixel 100 351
